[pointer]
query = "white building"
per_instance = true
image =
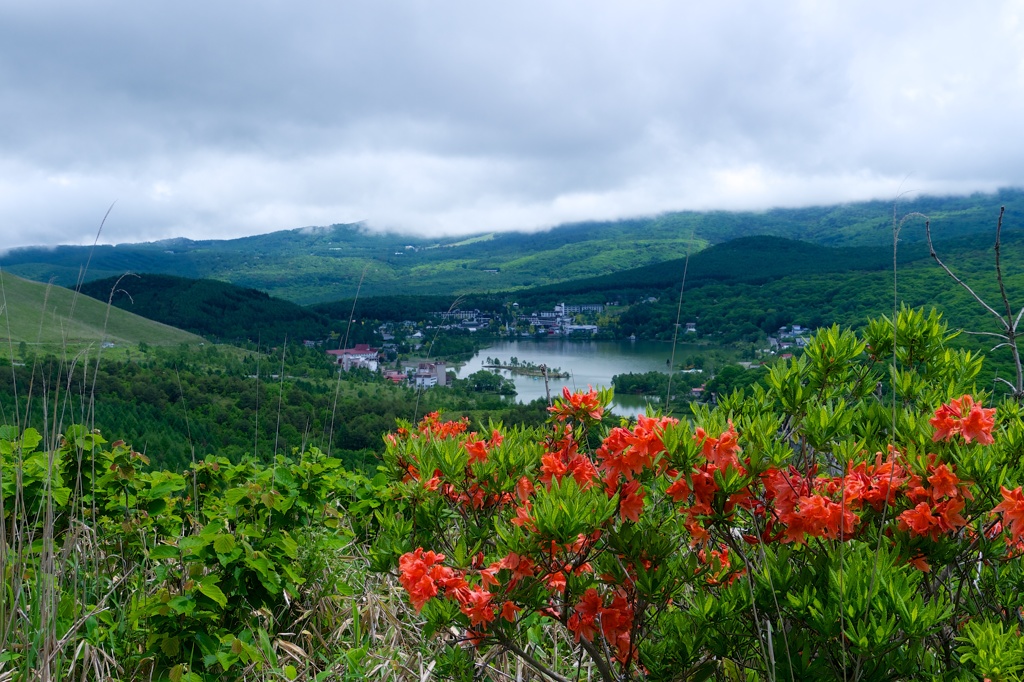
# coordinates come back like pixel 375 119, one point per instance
pixel 429 374
pixel 362 355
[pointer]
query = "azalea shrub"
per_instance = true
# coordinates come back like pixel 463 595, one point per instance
pixel 861 517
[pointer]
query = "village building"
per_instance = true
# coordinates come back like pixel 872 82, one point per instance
pixel 361 355
pixel 429 374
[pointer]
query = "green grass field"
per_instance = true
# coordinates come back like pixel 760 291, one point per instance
pixel 53 319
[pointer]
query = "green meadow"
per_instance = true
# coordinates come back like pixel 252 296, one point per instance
pixel 52 319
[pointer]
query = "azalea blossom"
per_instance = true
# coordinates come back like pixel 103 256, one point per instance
pixel 1012 509
pixel 578 405
pixel 965 417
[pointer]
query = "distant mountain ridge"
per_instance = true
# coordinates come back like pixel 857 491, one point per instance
pixel 309 265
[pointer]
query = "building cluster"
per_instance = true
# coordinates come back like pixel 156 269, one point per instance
pixel 364 356
pixel 793 336
pixel 560 321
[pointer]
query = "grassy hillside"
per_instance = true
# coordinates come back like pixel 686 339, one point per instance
pixel 52 319
pixel 312 265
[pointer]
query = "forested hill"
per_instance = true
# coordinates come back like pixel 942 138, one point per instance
pixel 215 310
pixel 327 264
pixel 747 260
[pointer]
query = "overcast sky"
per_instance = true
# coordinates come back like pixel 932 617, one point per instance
pixel 221 119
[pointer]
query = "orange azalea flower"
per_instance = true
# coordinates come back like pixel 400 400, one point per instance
pixel 698 533
pixel 521 567
pixel 552 466
pixel 431 424
pixel 577 405
pixel 476 603
pixel 616 624
pixel 920 562
pixel 509 611
pixel 920 521
pixel 722 451
pixel 948 512
pixel 523 518
pixel 679 490
pixel 555 581
pixel 978 423
pixel 964 416
pixel 477 450
pixel 629 452
pixel 488 576
pixel 416 576
pixel 817 516
pixel 943 482
pixel 524 488
pixel 631 501
pixel 582 623
pixel 1012 508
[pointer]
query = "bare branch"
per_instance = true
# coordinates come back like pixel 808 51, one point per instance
pixel 530 660
pixel 1016 320
pixel 935 257
pixel 995 334
pixel 1008 383
pixel 999 267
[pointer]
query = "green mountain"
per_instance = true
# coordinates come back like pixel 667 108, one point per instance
pixel 737 308
pixel 750 260
pixel 55 319
pixel 312 265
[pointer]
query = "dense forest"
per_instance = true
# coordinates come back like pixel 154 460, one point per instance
pixel 218 311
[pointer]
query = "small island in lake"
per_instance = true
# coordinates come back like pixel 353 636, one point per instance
pixel 525 368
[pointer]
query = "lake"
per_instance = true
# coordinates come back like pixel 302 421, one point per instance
pixel 589 363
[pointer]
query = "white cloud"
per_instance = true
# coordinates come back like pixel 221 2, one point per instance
pixel 221 120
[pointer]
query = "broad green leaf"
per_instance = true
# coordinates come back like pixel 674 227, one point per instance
pixel 164 552
pixel 224 543
pixel 170 646
pixel 209 587
pixel 30 440
pixel 61 496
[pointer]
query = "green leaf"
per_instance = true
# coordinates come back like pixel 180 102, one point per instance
pixel 209 587
pixel 194 542
pixel 224 543
pixel 170 646
pixel 355 656
pixel 226 660
pixel 30 439
pixel 61 496
pixel 164 552
pixel 291 672
pixel 268 648
pixel 235 495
